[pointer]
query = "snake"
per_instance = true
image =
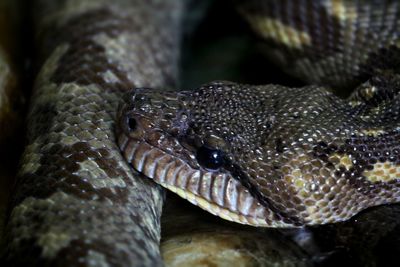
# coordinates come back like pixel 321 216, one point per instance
pixel 264 155
pixel 76 202
pixel 275 156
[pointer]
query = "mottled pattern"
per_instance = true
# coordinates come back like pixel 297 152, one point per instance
pixel 76 201
pixel 337 43
pixel 291 156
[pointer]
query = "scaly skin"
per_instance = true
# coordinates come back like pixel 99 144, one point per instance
pixel 284 157
pixel 66 256
pixel 335 43
pixel 76 201
pixel 290 156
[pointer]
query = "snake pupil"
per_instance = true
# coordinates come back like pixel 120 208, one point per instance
pixel 209 158
pixel 132 124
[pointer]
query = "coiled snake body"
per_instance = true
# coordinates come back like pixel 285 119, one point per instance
pixel 259 155
pixel 77 203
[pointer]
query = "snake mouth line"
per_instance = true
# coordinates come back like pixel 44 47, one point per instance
pixel 216 193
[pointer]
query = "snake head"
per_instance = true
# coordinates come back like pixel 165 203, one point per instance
pixel 174 139
pixel 259 155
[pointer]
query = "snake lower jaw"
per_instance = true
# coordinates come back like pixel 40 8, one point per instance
pixel 216 193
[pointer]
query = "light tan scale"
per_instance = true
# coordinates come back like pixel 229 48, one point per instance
pixel 383 172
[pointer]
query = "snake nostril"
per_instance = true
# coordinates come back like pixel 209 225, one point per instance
pixel 134 127
pixel 132 124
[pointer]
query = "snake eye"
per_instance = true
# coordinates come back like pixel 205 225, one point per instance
pixel 132 124
pixel 209 158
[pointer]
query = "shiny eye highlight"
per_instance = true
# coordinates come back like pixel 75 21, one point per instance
pixel 209 158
